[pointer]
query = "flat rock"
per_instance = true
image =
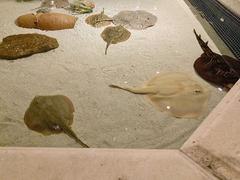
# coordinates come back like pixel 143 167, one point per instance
pixel 23 45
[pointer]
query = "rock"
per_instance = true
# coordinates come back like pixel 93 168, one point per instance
pixel 23 45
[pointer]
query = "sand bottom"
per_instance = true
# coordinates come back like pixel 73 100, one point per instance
pixel 79 69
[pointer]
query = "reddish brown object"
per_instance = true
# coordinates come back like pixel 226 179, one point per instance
pixel 220 70
pixel 46 21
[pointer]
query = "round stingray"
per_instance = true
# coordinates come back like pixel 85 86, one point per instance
pixel 114 35
pixel 51 115
pixel 176 93
pixel 47 114
pixel 135 19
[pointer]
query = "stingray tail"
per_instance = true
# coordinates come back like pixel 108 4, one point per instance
pixel 108 44
pixel 203 45
pixel 71 134
pixel 102 13
pixel 142 90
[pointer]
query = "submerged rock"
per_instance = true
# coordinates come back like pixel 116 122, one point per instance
pixel 23 45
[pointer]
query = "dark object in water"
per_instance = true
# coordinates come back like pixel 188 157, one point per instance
pixel 221 70
pixel 51 115
pixel 23 45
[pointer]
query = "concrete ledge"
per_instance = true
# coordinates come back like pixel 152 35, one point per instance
pixel 97 164
pixel 211 163
pixel 218 138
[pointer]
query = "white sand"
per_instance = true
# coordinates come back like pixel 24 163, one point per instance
pixel 79 69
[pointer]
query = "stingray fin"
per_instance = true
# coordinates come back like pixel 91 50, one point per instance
pixel 67 130
pixel 203 45
pixel 142 90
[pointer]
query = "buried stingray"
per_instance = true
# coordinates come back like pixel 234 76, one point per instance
pixel 51 115
pixel 220 70
pixel 176 93
pixel 98 20
pixel 137 20
pixel 114 35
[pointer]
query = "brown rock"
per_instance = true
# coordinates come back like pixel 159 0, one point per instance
pixel 23 45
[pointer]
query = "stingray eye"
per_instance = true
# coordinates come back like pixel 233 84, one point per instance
pixel 197 91
pixel 56 127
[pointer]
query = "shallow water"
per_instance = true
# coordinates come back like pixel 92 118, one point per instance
pixel 80 70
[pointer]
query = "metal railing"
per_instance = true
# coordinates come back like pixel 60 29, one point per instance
pixel 223 21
